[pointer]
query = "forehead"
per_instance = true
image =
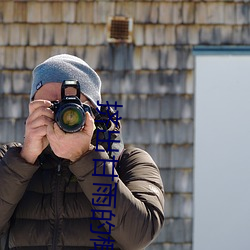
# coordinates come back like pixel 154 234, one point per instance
pixel 52 92
pixel 49 91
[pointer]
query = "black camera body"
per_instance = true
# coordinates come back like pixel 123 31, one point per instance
pixel 70 112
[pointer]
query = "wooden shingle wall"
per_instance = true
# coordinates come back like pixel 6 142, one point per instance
pixel 153 77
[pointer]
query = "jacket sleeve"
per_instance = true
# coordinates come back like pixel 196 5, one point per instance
pixel 138 193
pixel 15 174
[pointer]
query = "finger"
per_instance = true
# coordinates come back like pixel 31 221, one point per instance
pixel 54 133
pixel 58 131
pixel 50 131
pixel 41 111
pixel 89 124
pixel 39 103
pixel 37 132
pixel 39 121
pixel 40 131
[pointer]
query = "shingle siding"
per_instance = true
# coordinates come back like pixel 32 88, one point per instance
pixel 153 77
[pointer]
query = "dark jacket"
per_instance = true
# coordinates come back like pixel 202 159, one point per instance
pixel 58 205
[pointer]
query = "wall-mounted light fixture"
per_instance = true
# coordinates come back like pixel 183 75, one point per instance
pixel 119 29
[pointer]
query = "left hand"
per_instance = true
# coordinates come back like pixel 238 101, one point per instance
pixel 71 146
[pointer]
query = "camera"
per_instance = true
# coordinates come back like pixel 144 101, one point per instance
pixel 70 112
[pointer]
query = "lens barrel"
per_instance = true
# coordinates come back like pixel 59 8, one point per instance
pixel 70 117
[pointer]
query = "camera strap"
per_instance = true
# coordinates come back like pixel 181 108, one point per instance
pixel 104 122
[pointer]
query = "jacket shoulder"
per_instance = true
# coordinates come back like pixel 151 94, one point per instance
pixel 5 147
pixel 136 155
pixel 137 165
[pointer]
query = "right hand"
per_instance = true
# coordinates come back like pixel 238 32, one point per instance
pixel 35 140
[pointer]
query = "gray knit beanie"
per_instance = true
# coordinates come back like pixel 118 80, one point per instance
pixel 67 67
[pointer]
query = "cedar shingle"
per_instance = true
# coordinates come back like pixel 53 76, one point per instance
pixel 7 131
pixel 7 11
pixel 150 57
pixel 237 34
pixel 77 34
pixel 165 13
pixel 170 13
pixel 138 34
pixel 226 33
pixel 60 34
pixel 182 206
pixel 153 107
pixel 96 35
pixel 6 84
pixel 142 85
pixel 19 130
pixel 183 133
pixel 42 53
pixel 25 106
pixel 34 12
pixel 168 177
pixel 68 12
pixel 48 34
pixel 116 82
pixel 149 34
pixel 47 14
pixel 106 58
pixel 143 109
pixel 182 34
pixel 19 57
pixel 206 35
pixel 189 82
pixel 176 107
pixel 20 11
pixel 183 180
pixel 172 62
pixel 164 152
pixel 21 82
pixel 143 12
pixel 128 82
pixel 170 34
pixel 181 156
pixel 102 10
pixel 242 13
pixel 193 34
pixel 133 103
pixel 154 14
pixel 156 131
pixel 168 205
pixel 188 12
pixel 4 37
pixel 229 13
pixel 159 83
pixel 124 8
pixel 215 13
pixel 8 57
pixel 200 13
pixel 120 57
pixel 159 35
pixel 84 12
pixel 245 34
pixel 12 106
pixel 36 34
pixel 180 231
pixel 137 61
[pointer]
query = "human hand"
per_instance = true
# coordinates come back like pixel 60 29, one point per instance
pixel 71 146
pixel 35 140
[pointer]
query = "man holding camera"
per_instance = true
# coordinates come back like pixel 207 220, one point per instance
pixel 72 185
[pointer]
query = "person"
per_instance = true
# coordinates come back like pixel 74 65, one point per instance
pixel 79 190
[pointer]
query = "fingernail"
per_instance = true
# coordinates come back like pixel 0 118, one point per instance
pixel 47 102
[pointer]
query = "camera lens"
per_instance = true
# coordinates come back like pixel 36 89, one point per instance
pixel 70 117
